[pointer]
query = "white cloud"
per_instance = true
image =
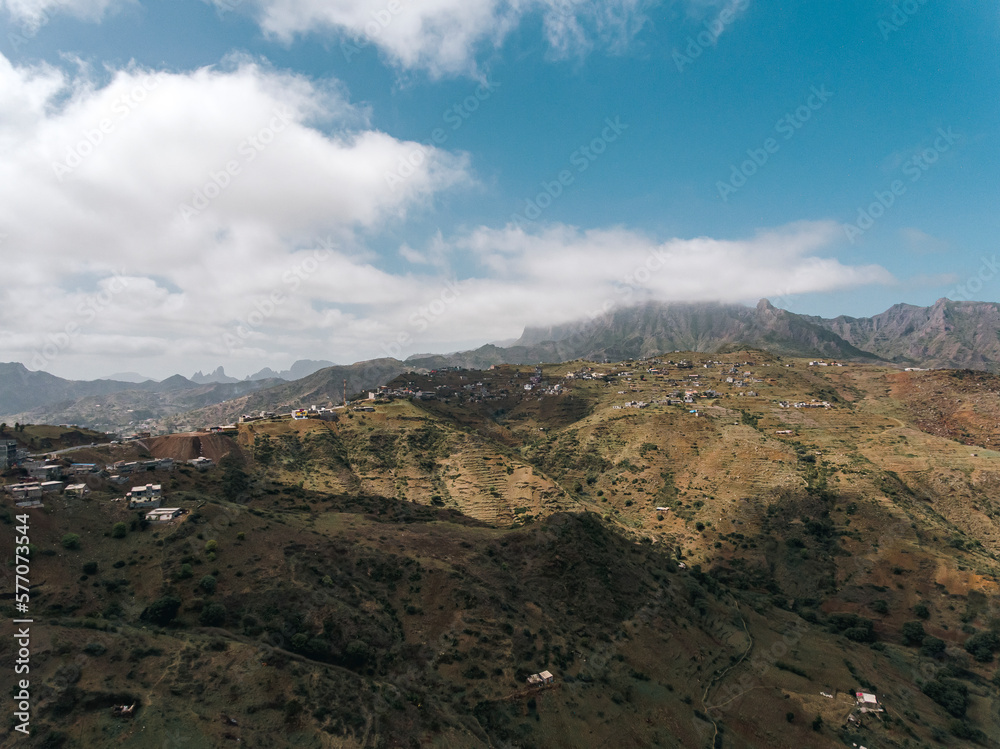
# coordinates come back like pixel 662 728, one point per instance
pixel 123 178
pixel 561 273
pixel 35 13
pixel 444 36
pixel 109 274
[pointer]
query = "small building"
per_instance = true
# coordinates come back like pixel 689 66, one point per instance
pixel 867 703
pixel 543 677
pixel 29 503
pixel 45 472
pixel 143 497
pixel 24 491
pixel 80 490
pixel 202 464
pixel 8 453
pixel 52 487
pixel 78 469
pixel 164 514
pixel 148 491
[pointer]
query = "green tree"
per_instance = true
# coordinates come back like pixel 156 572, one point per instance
pixel 951 694
pixel 71 541
pixel 982 646
pixel 913 633
pixel 119 530
pixel 211 546
pixel 213 615
pixel 162 611
pixel 207 584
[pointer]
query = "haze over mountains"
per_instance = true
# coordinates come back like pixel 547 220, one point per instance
pixel 947 334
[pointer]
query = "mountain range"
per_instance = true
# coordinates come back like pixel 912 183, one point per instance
pixel 948 334
pixel 301 368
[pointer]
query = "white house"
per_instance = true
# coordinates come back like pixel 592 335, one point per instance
pixel 147 496
pixel 164 514
pixel 202 464
pixel 52 487
pixel 867 703
pixel 544 677
pixel 79 490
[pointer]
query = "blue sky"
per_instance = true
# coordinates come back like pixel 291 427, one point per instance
pixel 563 155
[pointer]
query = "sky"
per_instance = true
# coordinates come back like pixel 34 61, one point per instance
pixel 186 184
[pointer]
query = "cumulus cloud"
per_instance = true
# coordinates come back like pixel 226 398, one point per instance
pixel 147 212
pixel 444 36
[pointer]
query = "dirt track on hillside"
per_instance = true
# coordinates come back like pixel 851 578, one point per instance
pixel 192 445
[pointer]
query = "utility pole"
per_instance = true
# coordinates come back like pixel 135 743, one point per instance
pixel 345 393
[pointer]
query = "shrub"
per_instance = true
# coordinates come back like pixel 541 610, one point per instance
pixel 951 694
pixel 932 647
pixel 94 649
pixel 922 611
pixel 982 646
pixel 913 633
pixel 185 572
pixel 211 546
pixel 163 610
pixel 207 584
pixel 90 568
pixel 213 615
pixel 963 730
pixel 118 530
pixel 71 541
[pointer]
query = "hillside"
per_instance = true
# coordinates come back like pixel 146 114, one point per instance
pixel 22 390
pixel 130 410
pixel 946 335
pixel 322 388
pixel 392 578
